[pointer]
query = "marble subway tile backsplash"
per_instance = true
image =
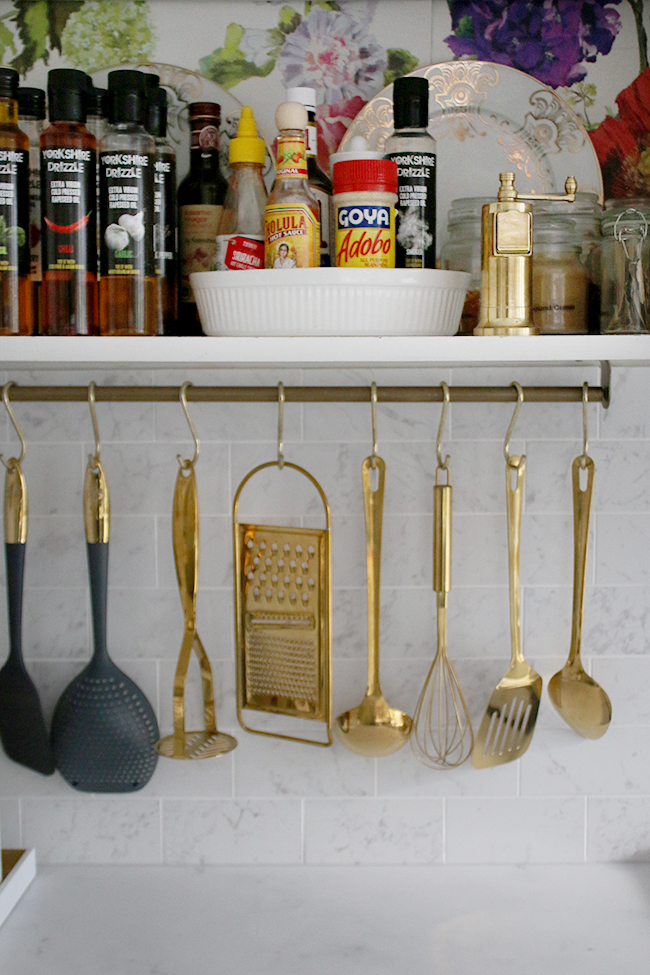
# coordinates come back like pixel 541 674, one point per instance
pixel 272 801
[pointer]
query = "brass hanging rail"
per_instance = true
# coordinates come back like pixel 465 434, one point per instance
pixel 307 394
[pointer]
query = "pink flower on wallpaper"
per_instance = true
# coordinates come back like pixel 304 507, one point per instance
pixel 333 122
pixel 333 53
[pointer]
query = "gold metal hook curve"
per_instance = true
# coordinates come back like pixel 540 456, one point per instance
pixel 443 465
pixel 185 464
pixel 506 442
pixel 12 416
pixel 585 443
pixel 373 406
pixel 94 458
pixel 280 426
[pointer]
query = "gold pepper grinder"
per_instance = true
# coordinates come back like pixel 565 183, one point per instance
pixel 506 263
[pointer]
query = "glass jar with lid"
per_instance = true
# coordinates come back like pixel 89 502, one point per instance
pixel 560 280
pixel 462 252
pixel 626 267
pixel 586 212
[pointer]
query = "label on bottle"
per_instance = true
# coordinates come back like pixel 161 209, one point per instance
pixel 416 209
pixel 291 159
pixel 164 214
pixel 291 237
pixel 14 210
pixel 365 235
pixel 126 213
pixel 199 223
pixel 68 185
pixel 311 147
pixel 35 213
pixel 236 252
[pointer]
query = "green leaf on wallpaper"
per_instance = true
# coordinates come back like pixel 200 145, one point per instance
pixel 40 25
pixel 246 53
pixel 290 19
pixel 399 62
pixel 465 28
pixel 6 42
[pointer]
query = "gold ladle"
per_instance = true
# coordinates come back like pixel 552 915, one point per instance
pixel 373 728
pixel 577 697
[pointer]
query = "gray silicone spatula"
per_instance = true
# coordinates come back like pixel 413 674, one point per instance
pixel 22 727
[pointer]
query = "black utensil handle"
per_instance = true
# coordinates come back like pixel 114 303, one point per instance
pixel 98 571
pixel 15 559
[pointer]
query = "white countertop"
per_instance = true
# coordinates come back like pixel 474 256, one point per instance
pixel 456 920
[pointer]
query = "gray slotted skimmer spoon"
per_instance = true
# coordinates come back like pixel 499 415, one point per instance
pixel 104 729
pixel 509 720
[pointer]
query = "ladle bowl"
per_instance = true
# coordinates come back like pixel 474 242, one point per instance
pixel 373 728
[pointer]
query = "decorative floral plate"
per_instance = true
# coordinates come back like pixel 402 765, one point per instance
pixel 184 87
pixel 488 118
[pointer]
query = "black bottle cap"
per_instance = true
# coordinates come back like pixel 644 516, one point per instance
pixel 411 103
pixel 151 81
pixel 8 83
pixel 127 96
pixel 31 103
pixel 156 124
pixel 67 91
pixel 97 102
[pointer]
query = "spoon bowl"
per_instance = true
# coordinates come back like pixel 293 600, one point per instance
pixel 373 728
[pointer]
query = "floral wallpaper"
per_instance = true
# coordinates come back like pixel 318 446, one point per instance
pixel 336 47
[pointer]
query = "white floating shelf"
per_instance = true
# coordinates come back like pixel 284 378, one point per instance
pixel 64 352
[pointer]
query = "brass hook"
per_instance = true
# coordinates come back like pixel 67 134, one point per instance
pixel 93 459
pixel 12 416
pixel 185 464
pixel 443 465
pixel 520 399
pixel 585 443
pixel 280 426
pixel 373 404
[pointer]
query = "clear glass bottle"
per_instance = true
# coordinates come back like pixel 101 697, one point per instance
pixel 414 150
pixel 240 238
pixel 291 216
pixel 560 281
pixel 625 296
pixel 164 205
pixel 69 210
pixel 31 115
pixel 17 304
pixel 462 252
pixel 96 121
pixel 127 287
pixel 319 183
pixel 200 201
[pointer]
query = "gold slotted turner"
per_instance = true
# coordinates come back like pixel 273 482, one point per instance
pixel 509 720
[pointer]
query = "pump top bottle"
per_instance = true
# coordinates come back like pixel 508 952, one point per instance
pixel 414 151
pixel 127 287
pixel 240 239
pixel 17 306
pixel 292 214
pixel 69 210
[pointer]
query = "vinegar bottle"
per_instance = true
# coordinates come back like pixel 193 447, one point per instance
pixel 200 201
pixel 291 217
pixel 16 288
pixel 127 286
pixel 31 113
pixel 68 210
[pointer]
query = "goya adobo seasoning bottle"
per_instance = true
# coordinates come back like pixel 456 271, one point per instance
pixel 414 151
pixel 127 287
pixel 16 289
pixel 68 210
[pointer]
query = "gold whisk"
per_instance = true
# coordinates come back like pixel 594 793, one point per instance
pixel 442 735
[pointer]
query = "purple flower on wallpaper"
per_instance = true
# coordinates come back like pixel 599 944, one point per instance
pixel 548 40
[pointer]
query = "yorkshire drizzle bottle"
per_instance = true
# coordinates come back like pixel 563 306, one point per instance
pixel 164 208
pixel 127 286
pixel 68 210
pixel 31 114
pixel 16 302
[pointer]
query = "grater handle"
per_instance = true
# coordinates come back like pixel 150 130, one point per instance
pixel 373 506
